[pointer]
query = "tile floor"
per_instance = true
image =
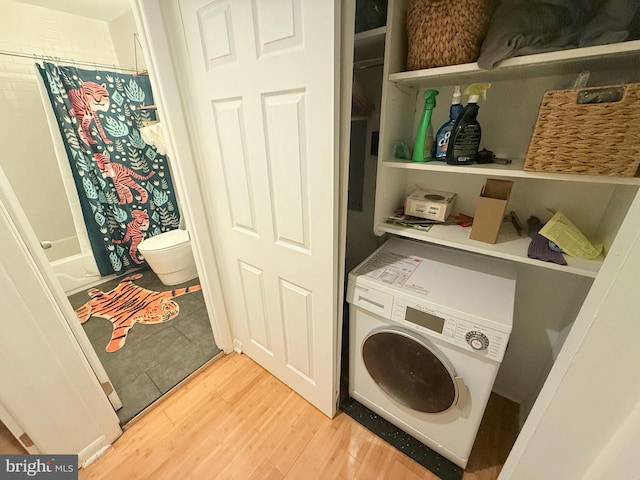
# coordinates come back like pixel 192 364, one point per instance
pixel 155 357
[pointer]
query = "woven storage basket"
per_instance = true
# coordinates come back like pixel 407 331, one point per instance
pixel 446 32
pixel 590 139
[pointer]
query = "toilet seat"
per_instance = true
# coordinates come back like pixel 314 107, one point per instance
pixel 170 256
pixel 165 240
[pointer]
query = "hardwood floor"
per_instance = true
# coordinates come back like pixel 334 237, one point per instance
pixel 235 420
pixel 8 444
pixel 497 433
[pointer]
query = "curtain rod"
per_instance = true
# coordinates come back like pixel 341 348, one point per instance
pixel 64 60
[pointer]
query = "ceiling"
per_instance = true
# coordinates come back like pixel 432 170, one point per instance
pixel 105 10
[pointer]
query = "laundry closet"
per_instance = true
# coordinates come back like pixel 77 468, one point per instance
pixel 245 150
pixel 548 296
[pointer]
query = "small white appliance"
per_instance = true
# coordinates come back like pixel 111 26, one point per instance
pixel 428 330
pixel 430 204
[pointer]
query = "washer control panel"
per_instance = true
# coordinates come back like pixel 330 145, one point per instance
pixel 477 340
pixel 466 334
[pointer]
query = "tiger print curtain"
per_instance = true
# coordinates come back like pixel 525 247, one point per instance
pixel 124 184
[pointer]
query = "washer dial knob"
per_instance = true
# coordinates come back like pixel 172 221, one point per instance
pixel 477 340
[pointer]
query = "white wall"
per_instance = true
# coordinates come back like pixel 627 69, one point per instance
pixel 122 30
pixel 588 408
pixel 537 338
pixel 619 459
pixel 28 158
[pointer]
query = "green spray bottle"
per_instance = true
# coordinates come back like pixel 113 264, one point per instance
pixel 424 137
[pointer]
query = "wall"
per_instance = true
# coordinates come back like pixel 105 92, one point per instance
pixel 619 459
pixel 361 240
pixel 28 158
pixel 587 412
pixel 122 31
pixel 537 338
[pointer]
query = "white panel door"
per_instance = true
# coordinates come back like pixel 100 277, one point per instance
pixel 263 92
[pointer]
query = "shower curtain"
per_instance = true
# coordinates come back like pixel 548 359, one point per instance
pixel 124 185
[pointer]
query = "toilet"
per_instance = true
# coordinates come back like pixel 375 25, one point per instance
pixel 170 257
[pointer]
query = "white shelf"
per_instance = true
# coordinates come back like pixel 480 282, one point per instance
pixel 614 63
pixel 600 57
pixel 375 35
pixel 509 246
pixel 369 45
pixel 514 170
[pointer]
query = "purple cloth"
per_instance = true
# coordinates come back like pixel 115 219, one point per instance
pixel 539 248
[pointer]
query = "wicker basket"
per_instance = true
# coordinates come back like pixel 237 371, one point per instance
pixel 590 139
pixel 445 32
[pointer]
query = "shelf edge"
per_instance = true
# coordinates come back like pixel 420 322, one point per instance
pixel 514 172
pixel 523 62
pixel 424 236
pixel 368 34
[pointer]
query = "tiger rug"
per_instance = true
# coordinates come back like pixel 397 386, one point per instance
pixel 128 304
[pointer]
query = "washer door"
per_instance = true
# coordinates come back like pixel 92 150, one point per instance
pixel 410 371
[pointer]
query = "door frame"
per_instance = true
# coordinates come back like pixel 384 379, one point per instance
pixel 17 431
pixel 92 413
pixel 185 179
pixel 347 45
pixel 41 262
pixel 164 81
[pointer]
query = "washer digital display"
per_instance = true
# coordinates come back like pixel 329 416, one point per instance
pixel 424 319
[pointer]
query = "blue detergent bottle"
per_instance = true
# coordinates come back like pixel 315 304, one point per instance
pixel 466 133
pixel 442 137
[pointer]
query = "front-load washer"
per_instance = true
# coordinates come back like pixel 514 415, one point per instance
pixel 428 330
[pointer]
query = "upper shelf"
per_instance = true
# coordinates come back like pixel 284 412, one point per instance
pixel 369 45
pixel 514 170
pixel 597 58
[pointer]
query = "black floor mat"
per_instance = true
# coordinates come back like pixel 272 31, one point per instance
pixel 404 442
